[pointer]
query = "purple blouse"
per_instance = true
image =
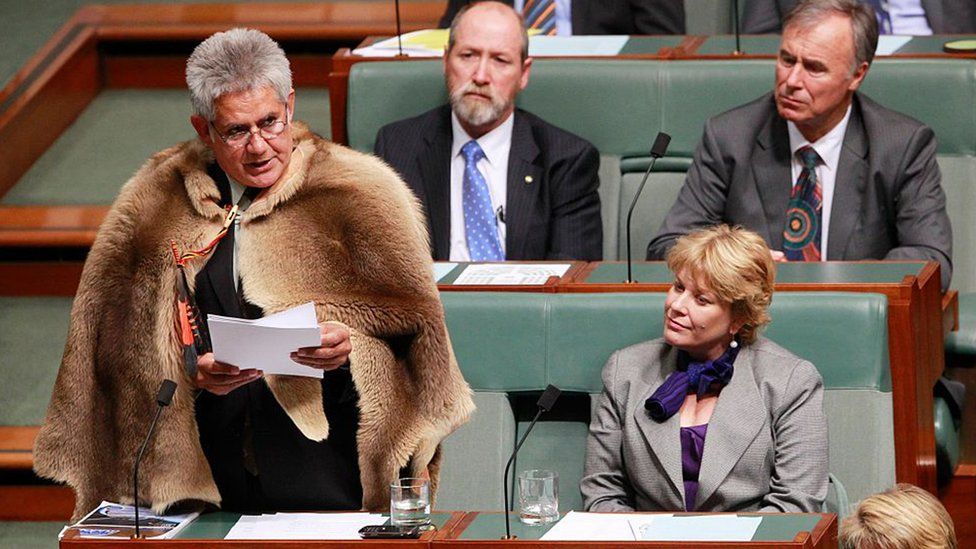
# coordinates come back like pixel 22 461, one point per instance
pixel 692 445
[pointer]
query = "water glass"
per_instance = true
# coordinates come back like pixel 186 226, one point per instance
pixel 410 502
pixel 538 496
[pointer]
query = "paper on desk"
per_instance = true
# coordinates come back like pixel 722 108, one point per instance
pixel 695 528
pixel 534 274
pixel 441 269
pixel 266 343
pixel 576 526
pixel 303 526
pixel 890 43
pixel 421 43
pixel 576 46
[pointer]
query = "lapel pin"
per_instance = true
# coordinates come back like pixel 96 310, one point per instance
pixel 528 179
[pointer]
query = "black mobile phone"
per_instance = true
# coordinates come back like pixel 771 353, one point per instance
pixel 389 531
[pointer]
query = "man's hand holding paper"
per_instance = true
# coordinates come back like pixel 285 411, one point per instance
pixel 332 353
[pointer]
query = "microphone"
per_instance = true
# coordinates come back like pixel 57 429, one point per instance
pixel 735 25
pixel 398 31
pixel 163 398
pixel 545 403
pixel 658 149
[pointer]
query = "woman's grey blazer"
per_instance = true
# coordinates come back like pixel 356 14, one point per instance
pixel 765 450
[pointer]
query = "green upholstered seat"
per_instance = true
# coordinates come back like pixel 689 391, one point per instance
pixel 513 342
pixel 32 335
pixel 29 535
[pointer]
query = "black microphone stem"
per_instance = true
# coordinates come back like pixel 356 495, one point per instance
pixel 508 528
pixel 633 204
pixel 135 474
pixel 399 33
pixel 735 24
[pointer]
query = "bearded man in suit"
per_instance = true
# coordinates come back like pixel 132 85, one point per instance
pixel 818 169
pixel 497 183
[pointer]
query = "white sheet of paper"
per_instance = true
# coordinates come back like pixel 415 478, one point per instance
pixel 695 528
pixel 510 273
pixel 441 269
pixel 890 43
pixel 266 343
pixel 576 46
pixel 577 526
pixel 303 526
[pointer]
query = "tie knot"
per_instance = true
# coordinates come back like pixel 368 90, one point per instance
pixel 808 157
pixel 472 152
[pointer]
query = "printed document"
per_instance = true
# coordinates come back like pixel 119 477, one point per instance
pixel 267 343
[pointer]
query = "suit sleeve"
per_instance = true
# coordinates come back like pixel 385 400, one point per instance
pixel 798 483
pixel 453 6
pixel 658 16
pixel 763 16
pixel 701 201
pixel 576 229
pixel 605 485
pixel 921 221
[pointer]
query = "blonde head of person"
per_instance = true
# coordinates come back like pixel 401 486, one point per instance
pixel 904 517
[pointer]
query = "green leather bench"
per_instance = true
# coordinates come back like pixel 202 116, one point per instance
pixel 620 105
pixel 510 343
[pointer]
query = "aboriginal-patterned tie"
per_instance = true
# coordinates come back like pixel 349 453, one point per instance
pixel 540 15
pixel 480 228
pixel 801 238
pixel 882 13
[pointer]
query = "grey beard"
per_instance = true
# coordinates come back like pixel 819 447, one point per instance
pixel 475 113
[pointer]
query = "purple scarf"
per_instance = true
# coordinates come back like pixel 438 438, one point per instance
pixel 701 377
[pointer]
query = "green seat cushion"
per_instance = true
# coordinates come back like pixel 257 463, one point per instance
pixel 32 335
pixel 963 341
pixel 29 535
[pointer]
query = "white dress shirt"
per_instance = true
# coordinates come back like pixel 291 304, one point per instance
pixel 564 16
pixel 828 147
pixel 236 192
pixel 496 145
pixel 908 18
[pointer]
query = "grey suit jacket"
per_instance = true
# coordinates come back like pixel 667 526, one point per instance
pixel 888 201
pixel 943 16
pixel 552 208
pixel 765 450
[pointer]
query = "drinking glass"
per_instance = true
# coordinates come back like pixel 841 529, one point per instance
pixel 410 502
pixel 538 496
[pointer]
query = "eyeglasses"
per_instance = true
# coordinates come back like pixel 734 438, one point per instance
pixel 269 129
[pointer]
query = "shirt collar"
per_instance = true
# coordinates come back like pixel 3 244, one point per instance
pixel 828 147
pixel 491 143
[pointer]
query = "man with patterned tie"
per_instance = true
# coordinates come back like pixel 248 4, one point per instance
pixel 594 16
pixel 818 169
pixel 906 17
pixel 496 182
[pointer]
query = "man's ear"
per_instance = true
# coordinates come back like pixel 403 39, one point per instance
pixel 202 127
pixel 858 77
pixel 526 71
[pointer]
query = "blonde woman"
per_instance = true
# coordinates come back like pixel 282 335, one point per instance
pixel 905 517
pixel 710 417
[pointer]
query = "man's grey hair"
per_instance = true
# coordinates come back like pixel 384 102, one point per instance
pixel 864 24
pixel 235 61
pixel 452 34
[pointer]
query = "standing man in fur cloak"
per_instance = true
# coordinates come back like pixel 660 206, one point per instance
pixel 323 224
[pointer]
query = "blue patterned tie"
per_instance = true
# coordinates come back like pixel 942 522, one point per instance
pixel 480 227
pixel 881 12
pixel 801 237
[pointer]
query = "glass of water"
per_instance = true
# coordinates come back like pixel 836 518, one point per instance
pixel 410 502
pixel 538 496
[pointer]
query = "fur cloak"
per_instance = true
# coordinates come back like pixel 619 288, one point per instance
pixel 343 232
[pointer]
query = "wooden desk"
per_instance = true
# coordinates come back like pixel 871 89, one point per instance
pixel 637 47
pixel 209 530
pixel 915 334
pixel 483 530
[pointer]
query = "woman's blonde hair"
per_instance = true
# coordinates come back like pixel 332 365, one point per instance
pixel 904 517
pixel 735 264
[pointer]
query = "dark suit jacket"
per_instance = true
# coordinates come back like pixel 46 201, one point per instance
pixel 944 16
pixel 888 201
pixel 555 216
pixel 611 16
pixel 765 449
pixel 293 471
